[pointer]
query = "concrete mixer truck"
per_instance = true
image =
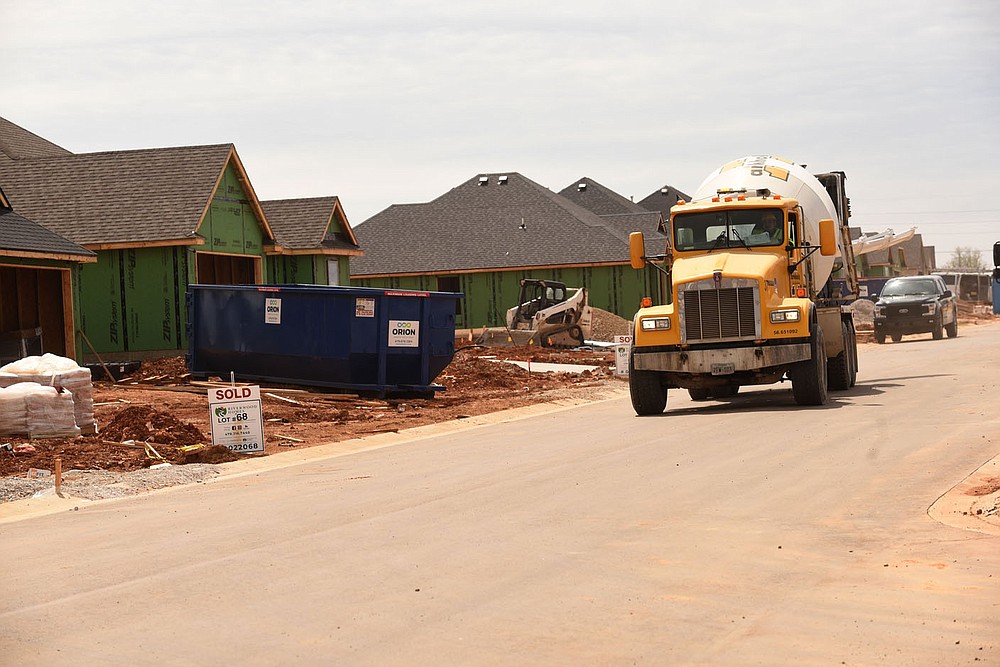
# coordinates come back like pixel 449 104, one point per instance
pixel 748 266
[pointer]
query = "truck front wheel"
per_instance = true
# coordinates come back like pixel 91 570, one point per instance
pixel 809 377
pixel 840 369
pixel 649 396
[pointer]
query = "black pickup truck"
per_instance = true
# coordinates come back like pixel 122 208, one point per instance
pixel 915 304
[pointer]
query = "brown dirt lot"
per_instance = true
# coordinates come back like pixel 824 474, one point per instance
pixel 161 415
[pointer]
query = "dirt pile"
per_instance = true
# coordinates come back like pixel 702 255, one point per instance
pixel 605 326
pixel 145 424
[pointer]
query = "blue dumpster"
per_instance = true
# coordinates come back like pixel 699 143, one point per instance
pixel 355 338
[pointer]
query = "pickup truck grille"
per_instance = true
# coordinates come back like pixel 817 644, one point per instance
pixel 728 313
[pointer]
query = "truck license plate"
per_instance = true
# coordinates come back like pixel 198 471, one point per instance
pixel 723 369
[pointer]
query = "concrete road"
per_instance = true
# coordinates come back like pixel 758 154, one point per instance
pixel 752 532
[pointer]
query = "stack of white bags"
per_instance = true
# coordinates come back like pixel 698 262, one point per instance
pixel 46 396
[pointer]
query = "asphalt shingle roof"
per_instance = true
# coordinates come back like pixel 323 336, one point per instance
pixel 663 199
pixel 647 222
pixel 20 235
pixel 305 224
pixel 157 194
pixel 17 143
pixel 599 199
pixel 483 227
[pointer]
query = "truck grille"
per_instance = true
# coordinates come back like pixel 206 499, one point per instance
pixel 720 314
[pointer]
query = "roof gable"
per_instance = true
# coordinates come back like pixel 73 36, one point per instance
pixel 599 199
pixel 492 221
pixel 157 195
pixel 310 224
pixel 663 199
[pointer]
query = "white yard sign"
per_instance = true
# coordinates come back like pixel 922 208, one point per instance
pixel 236 418
pixel 622 346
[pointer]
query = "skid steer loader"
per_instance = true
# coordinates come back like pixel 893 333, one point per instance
pixel 555 315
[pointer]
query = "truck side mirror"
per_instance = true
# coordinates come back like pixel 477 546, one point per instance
pixel 996 254
pixel 637 250
pixel 827 238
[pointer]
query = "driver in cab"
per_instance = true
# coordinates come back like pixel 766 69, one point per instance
pixel 768 225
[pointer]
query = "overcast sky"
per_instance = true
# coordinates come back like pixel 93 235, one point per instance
pixel 397 102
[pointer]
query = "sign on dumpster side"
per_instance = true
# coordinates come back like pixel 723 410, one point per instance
pixel 364 307
pixel 404 333
pixel 622 346
pixel 236 418
pixel 272 311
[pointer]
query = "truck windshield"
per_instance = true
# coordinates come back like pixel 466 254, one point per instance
pixel 909 288
pixel 745 228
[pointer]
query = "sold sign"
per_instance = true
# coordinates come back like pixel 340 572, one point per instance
pixel 236 418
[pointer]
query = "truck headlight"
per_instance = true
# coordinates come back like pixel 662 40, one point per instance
pixel 779 316
pixel 656 323
pixel 930 308
pixel 880 311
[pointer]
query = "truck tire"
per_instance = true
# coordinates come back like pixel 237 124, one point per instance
pixel 880 338
pixel 839 367
pixel 938 331
pixel 699 394
pixel 952 328
pixel 649 396
pixel 854 353
pixel 727 391
pixel 809 377
pixel 897 337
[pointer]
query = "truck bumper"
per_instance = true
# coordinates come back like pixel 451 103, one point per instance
pixel 910 325
pixel 723 361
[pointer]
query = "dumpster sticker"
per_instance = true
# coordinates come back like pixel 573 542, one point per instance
pixel 236 418
pixel 364 307
pixel 272 311
pixel 404 333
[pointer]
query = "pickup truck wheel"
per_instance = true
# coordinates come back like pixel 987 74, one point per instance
pixel 897 337
pixel 938 331
pixel 728 391
pixel 880 338
pixel 952 328
pixel 649 396
pixel 839 367
pixel 698 394
pixel 809 377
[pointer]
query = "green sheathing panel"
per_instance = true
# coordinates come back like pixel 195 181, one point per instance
pixel 77 288
pixel 488 295
pixel 344 269
pixel 292 270
pixel 230 226
pixel 134 300
pixel 305 270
